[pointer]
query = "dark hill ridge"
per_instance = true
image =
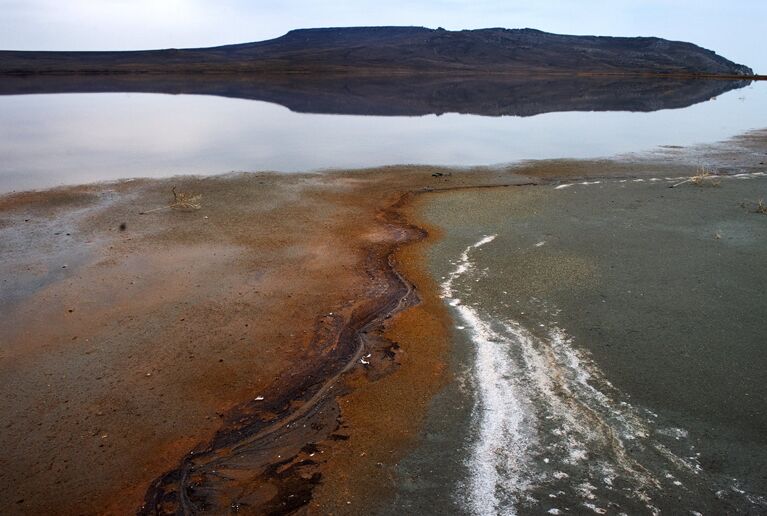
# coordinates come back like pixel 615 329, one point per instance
pixel 386 50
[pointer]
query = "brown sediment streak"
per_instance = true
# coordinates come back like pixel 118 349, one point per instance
pixel 263 458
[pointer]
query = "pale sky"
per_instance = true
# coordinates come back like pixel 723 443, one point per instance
pixel 733 28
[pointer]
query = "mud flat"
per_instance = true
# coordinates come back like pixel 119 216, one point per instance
pixel 130 340
pixel 274 350
pixel 607 350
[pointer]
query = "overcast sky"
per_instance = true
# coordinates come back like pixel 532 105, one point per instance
pixel 733 28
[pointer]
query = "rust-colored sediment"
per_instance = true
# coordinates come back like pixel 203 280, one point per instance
pixel 382 416
pixel 332 430
pixel 126 349
pixel 273 450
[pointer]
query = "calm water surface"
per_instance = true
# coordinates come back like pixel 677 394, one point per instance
pixel 55 139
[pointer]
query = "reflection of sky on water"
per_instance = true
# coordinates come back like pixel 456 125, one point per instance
pixel 46 140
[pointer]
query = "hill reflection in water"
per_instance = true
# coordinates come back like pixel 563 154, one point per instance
pixel 72 130
pixel 405 95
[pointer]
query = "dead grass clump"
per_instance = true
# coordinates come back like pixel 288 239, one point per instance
pixel 182 201
pixel 185 201
pixel 755 207
pixel 702 178
pixel 705 178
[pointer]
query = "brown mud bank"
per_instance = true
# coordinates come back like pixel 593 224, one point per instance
pixel 268 454
pixel 129 339
pixel 273 351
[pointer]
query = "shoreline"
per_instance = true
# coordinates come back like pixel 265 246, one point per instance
pixel 342 247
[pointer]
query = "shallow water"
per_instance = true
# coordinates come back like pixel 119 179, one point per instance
pixel 609 352
pixel 53 139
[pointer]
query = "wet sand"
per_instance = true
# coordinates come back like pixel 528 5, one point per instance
pixel 651 294
pixel 126 349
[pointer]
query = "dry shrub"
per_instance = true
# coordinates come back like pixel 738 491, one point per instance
pixel 755 207
pixel 185 201
pixel 182 201
pixel 702 178
pixel 705 178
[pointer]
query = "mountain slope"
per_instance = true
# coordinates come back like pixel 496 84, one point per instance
pixel 399 49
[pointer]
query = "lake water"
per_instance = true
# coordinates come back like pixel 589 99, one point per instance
pixel 72 138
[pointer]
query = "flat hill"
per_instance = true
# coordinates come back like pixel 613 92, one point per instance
pixel 405 50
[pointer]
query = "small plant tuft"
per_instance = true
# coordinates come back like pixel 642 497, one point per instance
pixel 755 207
pixel 185 201
pixel 705 178
pixel 182 201
pixel 702 178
